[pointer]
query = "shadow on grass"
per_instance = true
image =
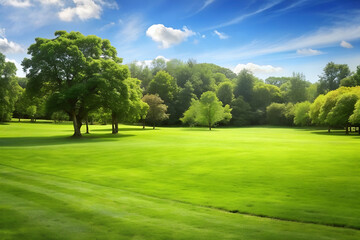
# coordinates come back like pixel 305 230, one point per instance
pixel 120 129
pixel 59 140
pixel 337 133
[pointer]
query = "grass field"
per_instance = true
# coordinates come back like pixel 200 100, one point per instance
pixel 178 183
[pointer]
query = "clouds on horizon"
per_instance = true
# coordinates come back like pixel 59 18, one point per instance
pixel 257 69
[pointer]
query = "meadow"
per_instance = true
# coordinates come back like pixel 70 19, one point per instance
pixel 178 183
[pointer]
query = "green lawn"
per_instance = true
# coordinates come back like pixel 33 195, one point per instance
pixel 178 183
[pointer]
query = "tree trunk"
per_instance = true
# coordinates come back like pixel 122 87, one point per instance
pixel 87 125
pixel 347 130
pixel 114 123
pixel 19 119
pixel 209 126
pixel 77 126
pixel 153 125
pixel 143 121
pixel 328 129
pixel 359 130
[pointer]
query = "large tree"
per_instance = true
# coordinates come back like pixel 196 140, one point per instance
pixel 343 109
pixel 9 89
pixel 207 111
pixel 69 68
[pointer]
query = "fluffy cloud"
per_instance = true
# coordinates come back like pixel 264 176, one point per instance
pixel 254 68
pixel 308 52
pixel 168 36
pixel 9 47
pixel 84 9
pixel 221 35
pixel 345 44
pixel 16 3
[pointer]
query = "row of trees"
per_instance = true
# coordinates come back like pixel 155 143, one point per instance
pixel 81 78
pixel 337 108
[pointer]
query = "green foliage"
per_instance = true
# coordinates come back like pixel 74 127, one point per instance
pixel 301 114
pixel 277 81
pixel 331 77
pixel 73 69
pixel 59 116
pixel 315 109
pixel 344 107
pixel 349 81
pixel 225 93
pixel 157 109
pixel 207 111
pixel 294 90
pixel 280 114
pixel 164 85
pixel 355 117
pixel 241 112
pixel 264 95
pixel 244 85
pixel 9 89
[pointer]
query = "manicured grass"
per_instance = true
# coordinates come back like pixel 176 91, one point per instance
pixel 177 183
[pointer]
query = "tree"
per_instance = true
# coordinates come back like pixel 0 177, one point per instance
pixel 157 109
pixel 355 117
pixel 315 109
pixel 264 95
pixel 114 92
pixel 343 109
pixel 332 75
pixel 164 85
pixel 241 112
pixel 9 89
pixel 69 68
pixel 207 111
pixel 280 114
pixel 244 85
pixel 225 93
pixel 294 90
pixel 136 109
pixel 301 112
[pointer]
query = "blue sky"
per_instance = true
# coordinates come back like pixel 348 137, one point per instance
pixel 271 38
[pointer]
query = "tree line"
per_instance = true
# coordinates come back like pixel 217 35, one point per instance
pixel 81 78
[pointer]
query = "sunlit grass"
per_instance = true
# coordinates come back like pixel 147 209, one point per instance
pixel 163 179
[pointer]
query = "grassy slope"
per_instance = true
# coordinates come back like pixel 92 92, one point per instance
pixel 285 173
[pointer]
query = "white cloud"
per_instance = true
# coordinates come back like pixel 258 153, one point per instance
pixel 84 9
pixel 203 36
pixel 51 2
pixel 345 44
pixel 16 3
pixel 254 68
pixel 221 35
pixel 9 46
pixel 168 36
pixel 308 52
